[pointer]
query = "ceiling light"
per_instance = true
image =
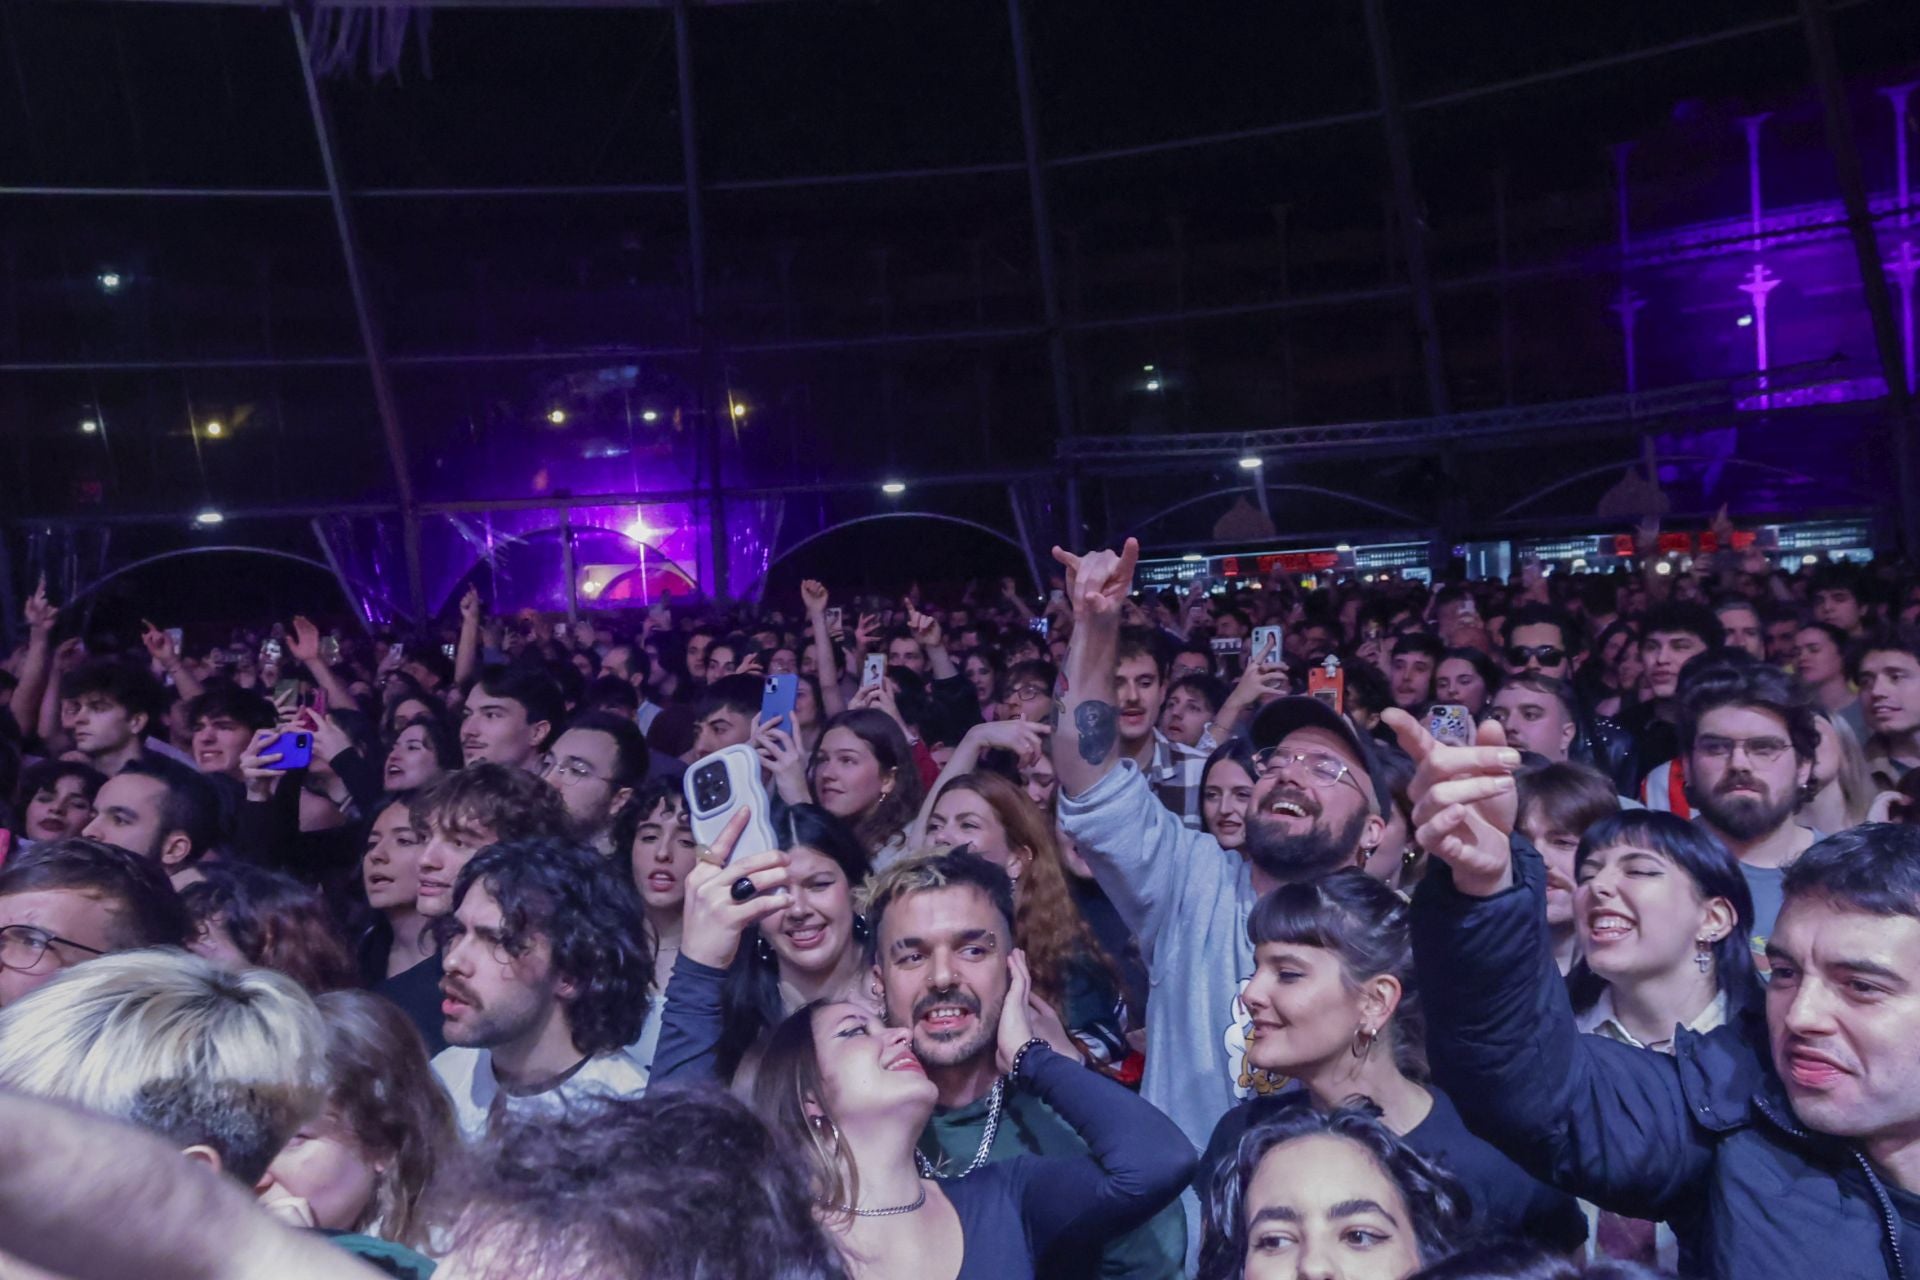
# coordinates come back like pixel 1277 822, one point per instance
pixel 209 516
pixel 893 488
pixel 1146 368
pixel 1250 463
pixel 90 425
pixel 1193 557
pixel 110 281
pixel 739 410
pixel 557 416
pixel 215 428
pixel 649 415
pixel 1153 384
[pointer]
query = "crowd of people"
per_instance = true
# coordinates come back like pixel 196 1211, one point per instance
pixel 1555 927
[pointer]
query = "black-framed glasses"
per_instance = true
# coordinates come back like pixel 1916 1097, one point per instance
pixel 23 947
pixel 1550 655
pixel 1030 692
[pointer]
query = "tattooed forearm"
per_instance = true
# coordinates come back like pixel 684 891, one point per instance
pixel 1099 730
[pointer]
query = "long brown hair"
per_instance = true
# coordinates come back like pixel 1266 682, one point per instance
pixel 789 1078
pixel 382 1090
pixel 1046 923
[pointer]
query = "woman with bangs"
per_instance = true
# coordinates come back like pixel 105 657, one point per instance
pixel 1334 1015
pixel 1665 927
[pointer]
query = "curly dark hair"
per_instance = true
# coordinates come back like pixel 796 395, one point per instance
pixel 1438 1205
pixel 589 912
pixel 275 921
pixel 510 803
pixel 686 1179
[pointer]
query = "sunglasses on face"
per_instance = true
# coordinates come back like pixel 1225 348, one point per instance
pixel 1548 655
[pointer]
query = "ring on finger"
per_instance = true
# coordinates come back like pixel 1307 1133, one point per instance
pixel 706 854
pixel 742 889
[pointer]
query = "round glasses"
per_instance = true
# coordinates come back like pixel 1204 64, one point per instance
pixel 23 947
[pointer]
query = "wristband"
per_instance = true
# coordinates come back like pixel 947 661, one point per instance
pixel 1020 1054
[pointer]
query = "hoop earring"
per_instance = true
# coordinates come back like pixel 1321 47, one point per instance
pixel 1363 1042
pixel 825 1126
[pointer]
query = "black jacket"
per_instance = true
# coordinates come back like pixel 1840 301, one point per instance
pixel 1704 1139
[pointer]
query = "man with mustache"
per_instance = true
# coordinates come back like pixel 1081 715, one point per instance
pixel 1316 807
pixel 461 814
pixel 547 966
pixel 1777 1164
pixel 1749 735
pixel 942 930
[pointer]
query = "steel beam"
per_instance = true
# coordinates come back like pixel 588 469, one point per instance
pixel 1044 256
pixel 1866 252
pixel 1413 239
pixel 716 586
pixel 383 397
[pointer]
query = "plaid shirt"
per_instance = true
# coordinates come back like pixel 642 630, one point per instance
pixel 1177 774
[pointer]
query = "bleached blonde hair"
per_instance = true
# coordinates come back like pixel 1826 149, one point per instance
pixel 173 1043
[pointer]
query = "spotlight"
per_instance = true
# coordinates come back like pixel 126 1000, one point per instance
pixel 893 488
pixel 739 410
pixel 110 281
pixel 89 426
pixel 216 428
pixel 1146 368
pixel 649 415
pixel 557 416
pixel 639 530
pixel 1745 321
pixel 209 517
pixel 1345 546
pixel 1153 384
pixel 1250 463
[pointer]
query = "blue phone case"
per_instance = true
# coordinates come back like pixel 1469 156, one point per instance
pixel 295 747
pixel 777 702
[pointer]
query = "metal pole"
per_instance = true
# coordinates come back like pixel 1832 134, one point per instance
pixel 1043 253
pixel 369 330
pixel 1413 243
pixel 568 567
pixel 1866 252
pixel 346 588
pixel 697 287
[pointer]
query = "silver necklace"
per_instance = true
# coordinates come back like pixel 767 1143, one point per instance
pixel 986 1139
pixel 882 1213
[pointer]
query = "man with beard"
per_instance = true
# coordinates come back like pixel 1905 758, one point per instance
pixel 1316 807
pixel 1749 735
pixel 942 930
pixel 547 966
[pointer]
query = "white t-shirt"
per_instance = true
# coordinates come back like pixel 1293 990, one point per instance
pixel 467 1076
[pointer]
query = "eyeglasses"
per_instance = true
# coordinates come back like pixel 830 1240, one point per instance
pixel 571 770
pixel 1030 692
pixel 1759 750
pixel 23 947
pixel 1550 655
pixel 1322 769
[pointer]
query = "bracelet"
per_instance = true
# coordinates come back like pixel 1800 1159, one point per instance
pixel 1020 1055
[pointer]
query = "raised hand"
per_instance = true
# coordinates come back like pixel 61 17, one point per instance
pixel 1023 738
pixel 159 646
pixel 329 740
pixel 925 628
pixel 304 643
pixel 712 921
pixel 256 765
pixel 1464 802
pixel 470 605
pixel 867 631
pixel 813 596
pixel 1099 582
pixel 41 614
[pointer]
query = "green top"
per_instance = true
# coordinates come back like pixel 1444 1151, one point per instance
pixel 394 1259
pixel 1155 1250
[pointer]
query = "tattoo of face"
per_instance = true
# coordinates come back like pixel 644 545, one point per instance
pixel 1099 730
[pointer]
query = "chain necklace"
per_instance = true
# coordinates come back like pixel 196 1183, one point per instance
pixel 986 1140
pixel 893 1211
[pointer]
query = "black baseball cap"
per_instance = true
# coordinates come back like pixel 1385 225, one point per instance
pixel 1284 715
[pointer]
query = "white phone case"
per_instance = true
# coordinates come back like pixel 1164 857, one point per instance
pixel 716 787
pixel 1266 644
